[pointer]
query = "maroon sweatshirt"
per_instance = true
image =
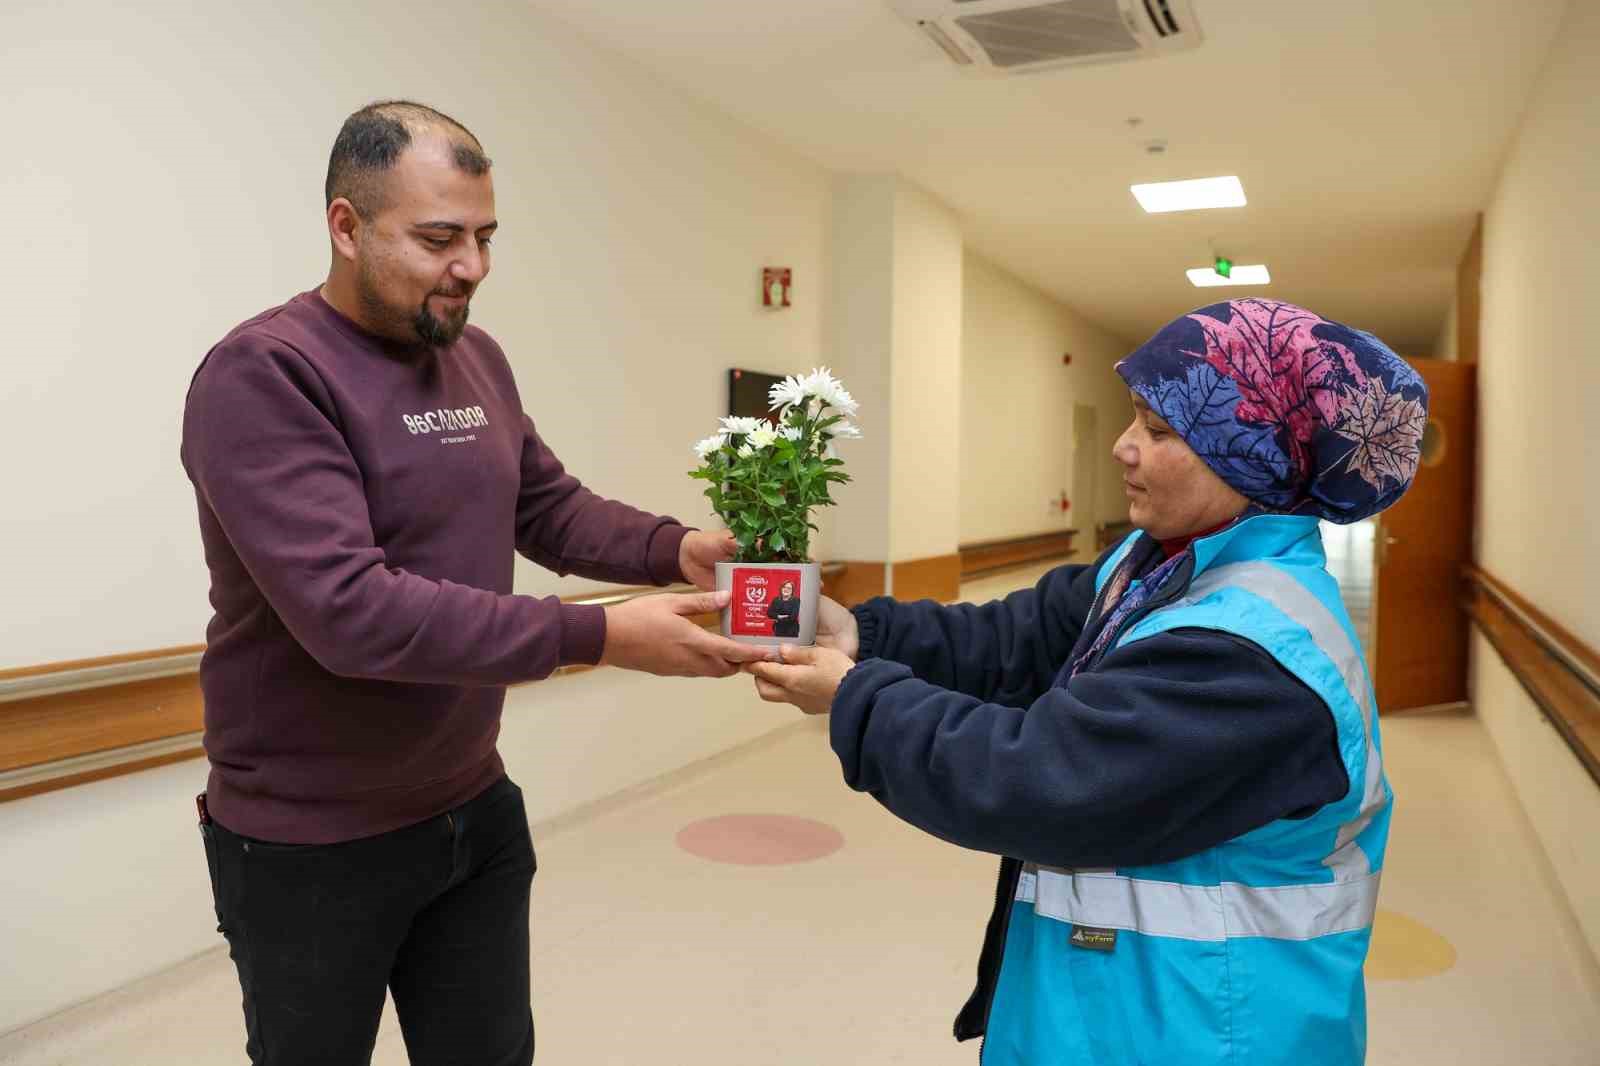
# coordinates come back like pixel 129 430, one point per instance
pixel 360 504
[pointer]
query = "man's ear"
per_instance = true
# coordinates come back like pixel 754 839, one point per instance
pixel 344 226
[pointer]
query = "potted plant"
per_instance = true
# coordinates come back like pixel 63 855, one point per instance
pixel 766 475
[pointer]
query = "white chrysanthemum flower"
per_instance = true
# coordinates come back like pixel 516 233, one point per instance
pixel 846 430
pixel 738 426
pixel 790 433
pixel 786 393
pixel 762 437
pixel 706 447
pixel 745 451
pixel 819 382
pixel 822 385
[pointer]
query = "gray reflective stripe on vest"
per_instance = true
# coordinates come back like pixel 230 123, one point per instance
pixel 1348 862
pixel 1200 912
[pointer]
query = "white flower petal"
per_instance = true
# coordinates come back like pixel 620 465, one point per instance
pixel 711 444
pixel 819 383
pixel 739 426
pixel 826 390
pixel 786 393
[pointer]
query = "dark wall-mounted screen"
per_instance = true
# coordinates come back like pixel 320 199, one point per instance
pixel 747 394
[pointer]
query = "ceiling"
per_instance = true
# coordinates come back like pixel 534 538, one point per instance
pixel 1367 133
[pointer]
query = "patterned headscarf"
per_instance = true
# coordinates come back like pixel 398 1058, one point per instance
pixel 1296 413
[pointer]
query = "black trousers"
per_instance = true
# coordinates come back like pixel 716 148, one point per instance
pixel 436 912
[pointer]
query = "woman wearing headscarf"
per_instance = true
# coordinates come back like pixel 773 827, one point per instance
pixel 1175 749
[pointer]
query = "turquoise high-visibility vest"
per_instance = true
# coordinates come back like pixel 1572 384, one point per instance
pixel 1246 953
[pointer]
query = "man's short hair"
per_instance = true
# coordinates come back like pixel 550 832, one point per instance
pixel 372 139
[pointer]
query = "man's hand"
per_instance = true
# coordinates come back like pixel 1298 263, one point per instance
pixel 808 679
pixel 701 551
pixel 837 629
pixel 654 634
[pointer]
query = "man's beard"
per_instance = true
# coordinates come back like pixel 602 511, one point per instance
pixel 409 326
pixel 439 332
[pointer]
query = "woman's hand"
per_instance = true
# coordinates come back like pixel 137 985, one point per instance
pixel 808 677
pixel 837 629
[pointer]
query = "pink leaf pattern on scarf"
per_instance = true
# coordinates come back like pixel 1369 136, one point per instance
pixel 1286 375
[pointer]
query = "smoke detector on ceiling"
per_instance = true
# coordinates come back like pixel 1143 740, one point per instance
pixel 1020 36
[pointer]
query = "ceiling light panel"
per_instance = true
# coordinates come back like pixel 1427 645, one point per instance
pixel 1197 194
pixel 1207 277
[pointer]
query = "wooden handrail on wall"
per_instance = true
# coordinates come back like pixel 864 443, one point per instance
pixel 68 723
pixel 988 556
pixel 1559 671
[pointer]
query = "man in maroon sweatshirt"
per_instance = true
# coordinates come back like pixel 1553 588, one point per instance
pixel 365 474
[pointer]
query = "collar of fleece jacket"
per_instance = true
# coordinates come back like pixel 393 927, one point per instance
pixel 1297 413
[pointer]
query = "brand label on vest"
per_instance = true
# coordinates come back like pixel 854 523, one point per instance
pixel 1092 939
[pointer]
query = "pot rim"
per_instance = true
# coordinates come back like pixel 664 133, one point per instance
pixel 794 566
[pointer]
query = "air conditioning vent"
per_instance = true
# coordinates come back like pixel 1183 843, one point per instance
pixel 1014 36
pixel 1160 14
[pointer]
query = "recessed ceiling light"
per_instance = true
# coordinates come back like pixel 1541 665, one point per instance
pixel 1197 194
pixel 1205 277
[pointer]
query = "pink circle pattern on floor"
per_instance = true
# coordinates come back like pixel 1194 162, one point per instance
pixel 759 839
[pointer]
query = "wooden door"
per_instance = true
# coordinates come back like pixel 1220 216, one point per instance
pixel 1420 630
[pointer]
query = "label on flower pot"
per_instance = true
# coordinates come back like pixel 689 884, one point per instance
pixel 766 603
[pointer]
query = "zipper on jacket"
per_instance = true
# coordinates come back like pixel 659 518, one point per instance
pixel 981 1001
pixel 989 981
pixel 1003 905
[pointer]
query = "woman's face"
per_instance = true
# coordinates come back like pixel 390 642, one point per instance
pixel 1171 491
pixel 788 589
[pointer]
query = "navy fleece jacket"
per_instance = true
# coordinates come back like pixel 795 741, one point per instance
pixel 1165 747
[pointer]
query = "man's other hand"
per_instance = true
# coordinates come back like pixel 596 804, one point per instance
pixel 657 634
pixel 701 551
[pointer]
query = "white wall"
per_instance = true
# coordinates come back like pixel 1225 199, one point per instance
pixel 104 883
pixel 1560 798
pixel 170 187
pixel 1539 378
pixel 1016 408
pixel 165 183
pixel 894 329
pixel 926 517
pixel 1116 412
pixel 861 344
pixel 1445 346
pixel 1539 374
